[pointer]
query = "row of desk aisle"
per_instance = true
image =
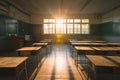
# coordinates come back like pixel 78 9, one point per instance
pixel 26 65
pixel 97 60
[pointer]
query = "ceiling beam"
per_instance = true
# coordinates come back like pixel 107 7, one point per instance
pixel 112 9
pixel 86 3
pixel 17 7
pixel 61 7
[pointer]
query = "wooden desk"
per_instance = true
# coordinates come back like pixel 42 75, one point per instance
pixel 114 44
pixel 80 41
pixel 104 67
pixel 106 48
pixel 13 68
pixel 33 61
pixel 81 44
pixel 109 50
pixel 80 50
pixel 98 41
pixel 43 45
pixel 87 41
pixel 27 51
pixel 99 44
pixel 84 50
pixel 40 44
pixel 46 41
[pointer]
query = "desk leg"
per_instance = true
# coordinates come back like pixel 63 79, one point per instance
pixel 46 51
pixel 76 58
pixel 26 71
pixel 87 67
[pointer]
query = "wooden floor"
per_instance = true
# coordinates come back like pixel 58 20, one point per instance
pixel 59 65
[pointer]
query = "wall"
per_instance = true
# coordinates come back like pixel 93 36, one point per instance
pixel 111 31
pixel 14 11
pixel 23 27
pixel 12 31
pixel 111 15
pixel 95 20
pixel 95 33
pixel 38 19
pixel 111 26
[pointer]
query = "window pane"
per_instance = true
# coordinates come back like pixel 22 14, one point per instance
pixel 85 20
pixel 70 28
pixel 59 21
pixel 60 28
pixel 51 20
pixel 77 21
pixel 51 28
pixel 70 20
pixel 46 29
pixel 64 20
pixel 77 29
pixel 85 28
pixel 45 20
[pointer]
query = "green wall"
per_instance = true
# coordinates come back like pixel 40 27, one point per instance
pixel 95 30
pixel 9 27
pixel 111 28
pixel 111 31
pixel 2 25
pixel 12 26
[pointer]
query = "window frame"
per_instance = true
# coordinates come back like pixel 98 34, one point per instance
pixel 65 23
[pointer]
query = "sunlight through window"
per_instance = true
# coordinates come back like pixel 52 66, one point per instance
pixel 66 26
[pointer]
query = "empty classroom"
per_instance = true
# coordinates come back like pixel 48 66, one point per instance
pixel 59 39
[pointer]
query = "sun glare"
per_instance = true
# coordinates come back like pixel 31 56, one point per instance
pixel 58 36
pixel 59 21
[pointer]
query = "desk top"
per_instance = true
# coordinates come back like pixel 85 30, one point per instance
pixel 80 41
pixel 29 49
pixel 74 41
pixel 114 44
pixel 40 44
pixel 79 44
pixel 108 61
pixel 106 48
pixel 11 62
pixel 98 41
pixel 93 43
pixel 83 48
pixel 46 40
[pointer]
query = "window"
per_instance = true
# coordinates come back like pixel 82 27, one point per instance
pixel 85 20
pixel 70 28
pixel 77 28
pixel 66 26
pixel 45 20
pixel 46 30
pixel 60 28
pixel 77 20
pixel 11 27
pixel 49 28
pixel 85 29
pixel 70 20
pixel 51 21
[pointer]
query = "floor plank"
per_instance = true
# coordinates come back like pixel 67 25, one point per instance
pixel 59 65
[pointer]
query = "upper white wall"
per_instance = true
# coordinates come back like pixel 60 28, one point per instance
pixel 110 16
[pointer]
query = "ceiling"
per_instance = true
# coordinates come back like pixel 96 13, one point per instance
pixel 68 6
